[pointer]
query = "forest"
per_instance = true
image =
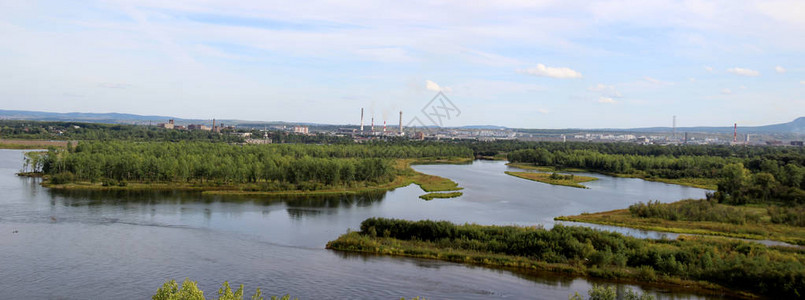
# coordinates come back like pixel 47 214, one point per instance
pixel 275 166
pixel 770 271
pixel 767 175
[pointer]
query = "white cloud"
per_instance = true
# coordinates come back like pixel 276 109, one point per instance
pixel 606 100
pixel 802 82
pixel 605 90
pixel 553 72
pixel 692 79
pixel 743 72
pixel 726 92
pixel 779 69
pixel 543 111
pixel 432 86
pixel 708 69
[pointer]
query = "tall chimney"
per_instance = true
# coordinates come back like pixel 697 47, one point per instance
pixel 373 124
pixel 674 130
pixel 361 119
pixel 384 126
pixel 735 134
pixel 213 125
pixel 401 122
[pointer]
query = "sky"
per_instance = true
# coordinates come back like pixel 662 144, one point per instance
pixel 524 64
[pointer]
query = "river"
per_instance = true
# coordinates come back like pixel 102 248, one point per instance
pixel 79 245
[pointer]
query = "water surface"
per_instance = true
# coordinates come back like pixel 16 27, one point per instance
pixel 78 245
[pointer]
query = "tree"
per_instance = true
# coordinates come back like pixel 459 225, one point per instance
pixel 734 181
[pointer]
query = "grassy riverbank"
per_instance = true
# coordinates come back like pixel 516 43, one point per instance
pixel 722 265
pixel 405 176
pixel 30 144
pixel 431 196
pixel 746 222
pixel 702 183
pixel 553 178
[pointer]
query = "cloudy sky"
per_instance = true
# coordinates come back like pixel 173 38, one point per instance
pixel 536 64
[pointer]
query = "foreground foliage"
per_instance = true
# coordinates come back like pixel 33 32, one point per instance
pixel 190 291
pixel 600 292
pixel 773 271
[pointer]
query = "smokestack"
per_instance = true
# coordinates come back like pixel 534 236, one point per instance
pixel 213 125
pixel 674 130
pixel 735 134
pixel 384 126
pixel 373 124
pixel 361 119
pixel 401 122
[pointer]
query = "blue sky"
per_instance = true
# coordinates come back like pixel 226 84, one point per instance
pixel 535 64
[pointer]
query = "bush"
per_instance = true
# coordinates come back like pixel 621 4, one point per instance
pixel 62 178
pixel 692 210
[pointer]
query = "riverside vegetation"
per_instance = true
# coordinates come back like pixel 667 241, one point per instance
pixel 745 205
pixel 189 290
pixel 713 263
pixel 699 166
pixel 570 180
pixel 241 168
pixel 768 221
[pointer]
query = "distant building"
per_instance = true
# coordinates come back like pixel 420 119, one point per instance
pixel 419 135
pixel 198 127
pixel 301 129
pixel 168 125
pixel 258 141
pixel 796 143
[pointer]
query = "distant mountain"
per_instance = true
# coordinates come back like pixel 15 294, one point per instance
pixel 79 117
pixel 796 127
pixel 118 118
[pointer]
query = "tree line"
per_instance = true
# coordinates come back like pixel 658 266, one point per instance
pixel 748 266
pixel 773 175
pixel 201 162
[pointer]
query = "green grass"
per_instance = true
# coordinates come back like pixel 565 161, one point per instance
pixel 431 196
pixel 428 183
pixel 30 144
pixel 702 183
pixel 525 166
pixel 762 230
pixel 546 178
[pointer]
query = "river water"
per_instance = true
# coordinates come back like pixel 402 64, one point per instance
pixel 79 245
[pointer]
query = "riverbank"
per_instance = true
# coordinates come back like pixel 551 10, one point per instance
pixel 761 229
pixel 30 144
pixel 719 265
pixel 431 196
pixel 555 179
pixel 405 176
pixel 702 183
